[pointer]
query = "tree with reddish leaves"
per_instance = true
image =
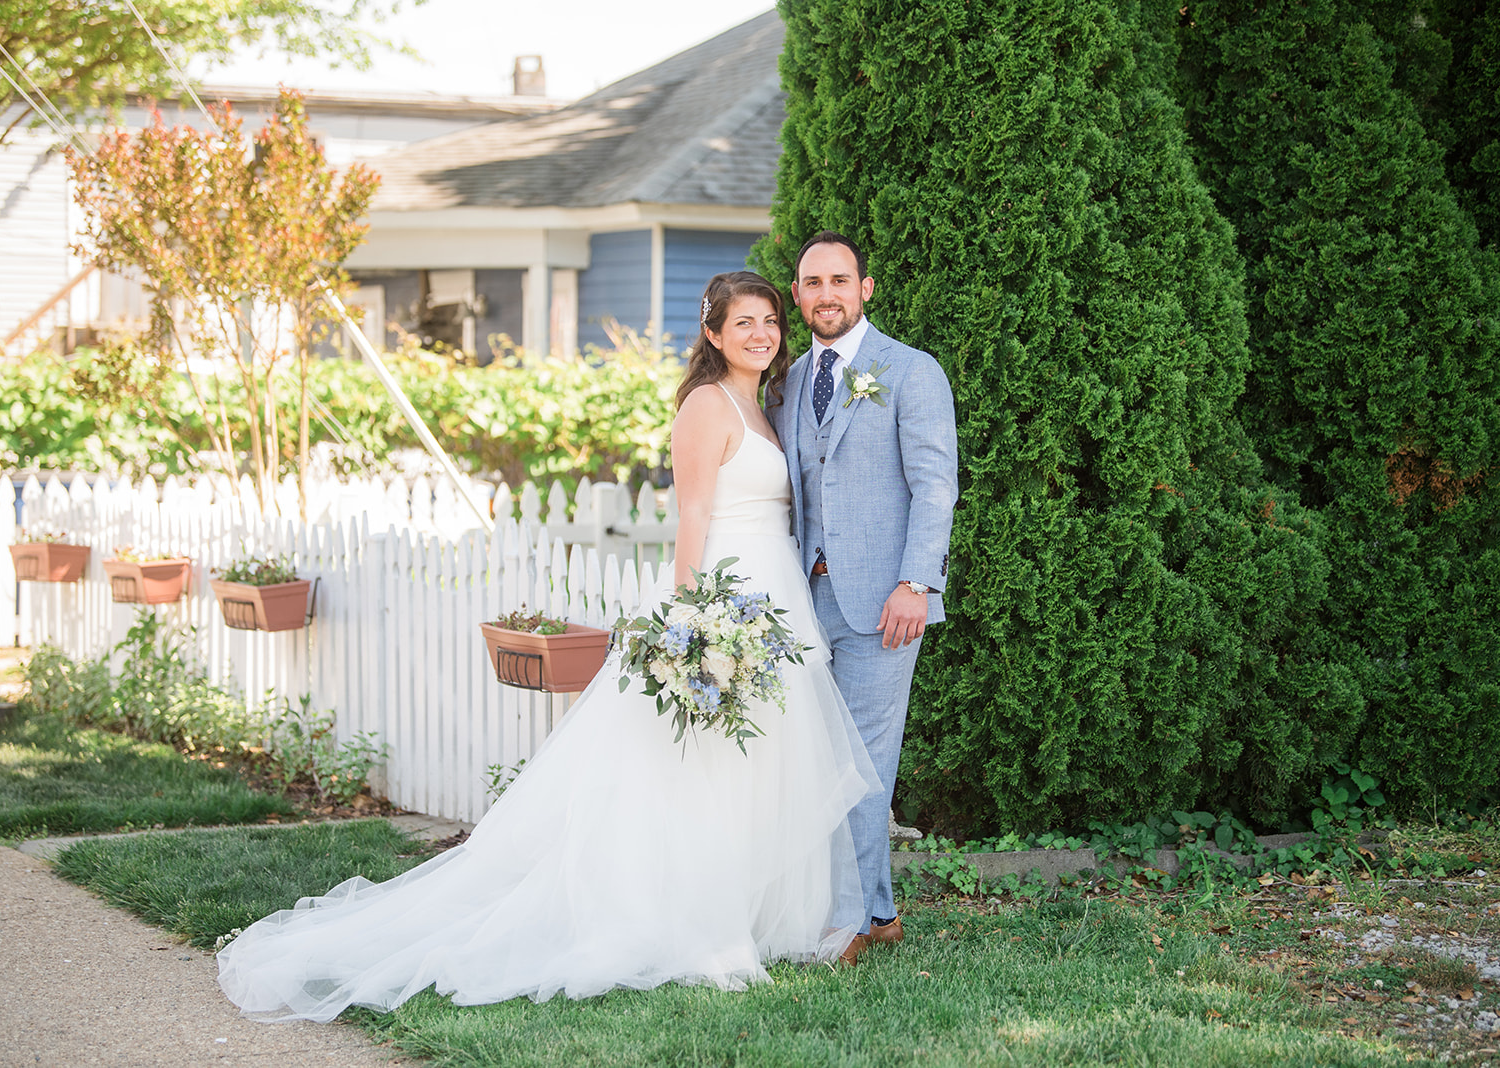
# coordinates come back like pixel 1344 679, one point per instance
pixel 235 242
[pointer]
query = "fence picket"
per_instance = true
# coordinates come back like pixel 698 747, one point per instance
pixel 394 647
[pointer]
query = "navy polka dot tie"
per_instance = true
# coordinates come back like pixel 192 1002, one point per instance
pixel 823 383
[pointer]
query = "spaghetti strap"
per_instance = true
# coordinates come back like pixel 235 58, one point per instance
pixel 736 404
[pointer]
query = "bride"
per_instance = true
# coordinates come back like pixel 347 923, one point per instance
pixel 618 858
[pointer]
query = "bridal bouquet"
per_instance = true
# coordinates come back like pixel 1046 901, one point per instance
pixel 709 653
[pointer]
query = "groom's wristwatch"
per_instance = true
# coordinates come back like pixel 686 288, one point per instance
pixel 918 588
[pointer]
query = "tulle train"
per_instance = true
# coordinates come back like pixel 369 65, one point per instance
pixel 617 859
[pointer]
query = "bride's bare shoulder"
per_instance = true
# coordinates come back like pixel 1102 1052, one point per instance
pixel 706 406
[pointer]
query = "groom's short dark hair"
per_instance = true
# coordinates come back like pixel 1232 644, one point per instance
pixel 830 237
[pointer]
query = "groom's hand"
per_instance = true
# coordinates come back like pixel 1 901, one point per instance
pixel 904 617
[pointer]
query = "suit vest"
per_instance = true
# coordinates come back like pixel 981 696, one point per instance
pixel 812 447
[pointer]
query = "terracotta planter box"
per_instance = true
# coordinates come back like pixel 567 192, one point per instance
pixel 153 582
pixel 557 663
pixel 49 561
pixel 279 606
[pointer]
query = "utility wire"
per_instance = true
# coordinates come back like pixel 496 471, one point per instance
pixel 182 79
pixel 60 125
pixel 50 108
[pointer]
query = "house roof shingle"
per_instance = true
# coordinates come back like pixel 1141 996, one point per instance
pixel 701 127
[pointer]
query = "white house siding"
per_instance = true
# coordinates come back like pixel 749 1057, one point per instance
pixel 34 229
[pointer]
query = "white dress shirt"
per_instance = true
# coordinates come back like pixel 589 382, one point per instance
pixel 847 347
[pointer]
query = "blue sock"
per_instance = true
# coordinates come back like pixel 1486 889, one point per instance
pixel 876 921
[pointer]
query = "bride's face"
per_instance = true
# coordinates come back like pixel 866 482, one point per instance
pixel 751 334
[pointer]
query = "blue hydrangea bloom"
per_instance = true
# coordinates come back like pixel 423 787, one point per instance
pixel 675 639
pixel 705 694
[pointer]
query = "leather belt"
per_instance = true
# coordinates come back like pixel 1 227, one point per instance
pixel 820 568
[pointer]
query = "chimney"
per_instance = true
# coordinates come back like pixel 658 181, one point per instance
pixel 530 79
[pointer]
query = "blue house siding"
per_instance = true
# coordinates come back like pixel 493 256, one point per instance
pixel 617 284
pixel 692 258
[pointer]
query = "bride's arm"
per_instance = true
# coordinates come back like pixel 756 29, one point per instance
pixel 701 435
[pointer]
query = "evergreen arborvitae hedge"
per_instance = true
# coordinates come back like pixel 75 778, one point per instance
pixel 1468 105
pixel 1132 611
pixel 1375 370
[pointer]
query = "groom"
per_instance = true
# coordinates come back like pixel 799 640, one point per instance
pixel 868 428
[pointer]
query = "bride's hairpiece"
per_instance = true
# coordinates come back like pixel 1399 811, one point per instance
pixel 707 307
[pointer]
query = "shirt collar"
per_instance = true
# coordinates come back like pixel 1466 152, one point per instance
pixel 847 346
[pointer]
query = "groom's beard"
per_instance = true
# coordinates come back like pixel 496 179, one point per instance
pixel 830 331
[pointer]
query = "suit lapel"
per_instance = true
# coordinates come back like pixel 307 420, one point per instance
pixel 870 349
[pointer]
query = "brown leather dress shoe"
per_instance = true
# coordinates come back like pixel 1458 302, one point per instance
pixel 886 934
pixel 850 956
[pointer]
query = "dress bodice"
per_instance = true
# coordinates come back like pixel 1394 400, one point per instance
pixel 754 492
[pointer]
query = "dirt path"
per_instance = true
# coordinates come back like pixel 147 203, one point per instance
pixel 88 984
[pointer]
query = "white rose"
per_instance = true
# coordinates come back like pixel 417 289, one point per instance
pixel 720 665
pixel 661 671
pixel 682 613
pixel 863 382
pixel 720 629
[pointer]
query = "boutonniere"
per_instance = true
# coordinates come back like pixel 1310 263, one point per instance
pixel 866 385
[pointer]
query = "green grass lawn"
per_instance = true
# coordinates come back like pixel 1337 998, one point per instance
pixel 1072 982
pixel 201 884
pixel 57 780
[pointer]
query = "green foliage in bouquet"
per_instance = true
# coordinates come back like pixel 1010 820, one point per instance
pixel 709 653
pixel 1132 609
pixel 1376 359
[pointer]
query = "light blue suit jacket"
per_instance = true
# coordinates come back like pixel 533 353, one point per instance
pixel 890 480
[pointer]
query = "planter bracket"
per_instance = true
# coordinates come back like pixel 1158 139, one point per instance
pixel 522 670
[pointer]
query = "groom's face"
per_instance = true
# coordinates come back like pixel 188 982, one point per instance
pixel 830 292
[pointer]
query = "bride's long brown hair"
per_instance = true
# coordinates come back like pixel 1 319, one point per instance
pixel 706 363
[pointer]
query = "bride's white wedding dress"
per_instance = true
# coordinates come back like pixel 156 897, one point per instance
pixel 616 858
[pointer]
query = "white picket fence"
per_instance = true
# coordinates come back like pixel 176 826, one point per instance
pixel 603 515
pixel 394 647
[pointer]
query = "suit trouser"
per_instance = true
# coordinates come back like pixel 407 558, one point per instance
pixel 876 684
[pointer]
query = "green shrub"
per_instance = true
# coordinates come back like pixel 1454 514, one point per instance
pixel 73 691
pixel 1132 611
pixel 48 421
pixel 607 416
pixel 1466 109
pixel 163 695
pixel 1373 387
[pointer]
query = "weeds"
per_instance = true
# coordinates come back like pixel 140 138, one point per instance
pixel 164 696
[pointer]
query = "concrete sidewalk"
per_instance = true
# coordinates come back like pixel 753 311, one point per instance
pixel 86 983
pixel 89 984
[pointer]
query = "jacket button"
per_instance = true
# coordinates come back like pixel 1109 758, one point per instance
pixel 822 459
